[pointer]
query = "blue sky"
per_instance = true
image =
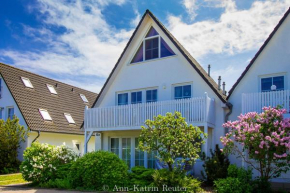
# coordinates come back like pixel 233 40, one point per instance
pixel 79 42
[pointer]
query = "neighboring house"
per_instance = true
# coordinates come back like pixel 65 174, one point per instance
pixel 154 75
pixel 52 110
pixel 266 80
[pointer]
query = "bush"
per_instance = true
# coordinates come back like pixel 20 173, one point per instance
pixel 239 180
pixel 57 183
pixel 141 176
pixel 175 179
pixel 44 162
pixel 11 135
pixel 216 166
pixel 96 169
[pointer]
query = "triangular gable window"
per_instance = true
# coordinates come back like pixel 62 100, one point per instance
pixel 152 32
pixel 152 47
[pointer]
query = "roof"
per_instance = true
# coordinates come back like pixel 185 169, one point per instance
pixel 30 100
pixel 212 84
pixel 259 52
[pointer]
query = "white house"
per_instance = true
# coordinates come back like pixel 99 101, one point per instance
pixel 266 80
pixel 52 110
pixel 154 75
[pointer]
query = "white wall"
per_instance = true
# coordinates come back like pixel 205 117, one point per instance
pixel 274 60
pixel 6 101
pixel 158 73
pixel 63 139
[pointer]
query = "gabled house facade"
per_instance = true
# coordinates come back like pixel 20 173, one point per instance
pixel 154 75
pixel 51 110
pixel 266 80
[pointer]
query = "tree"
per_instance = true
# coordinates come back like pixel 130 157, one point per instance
pixel 171 137
pixel 11 134
pixel 266 139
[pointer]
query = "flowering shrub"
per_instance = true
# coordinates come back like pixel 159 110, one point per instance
pixel 266 139
pixel 42 161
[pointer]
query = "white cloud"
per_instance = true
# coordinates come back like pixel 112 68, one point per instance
pixel 236 30
pixel 191 7
pixel 89 45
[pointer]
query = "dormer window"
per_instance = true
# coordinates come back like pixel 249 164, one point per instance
pixel 26 82
pixel 84 98
pixel 69 118
pixel 51 89
pixel 45 115
pixel 153 46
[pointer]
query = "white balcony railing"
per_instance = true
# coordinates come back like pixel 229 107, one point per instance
pixel 256 101
pixel 195 110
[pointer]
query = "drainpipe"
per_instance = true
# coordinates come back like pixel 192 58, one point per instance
pixel 38 134
pixel 230 106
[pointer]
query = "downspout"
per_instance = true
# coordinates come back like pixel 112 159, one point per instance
pixel 230 106
pixel 38 134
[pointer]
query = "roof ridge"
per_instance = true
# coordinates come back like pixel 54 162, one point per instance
pixel 10 66
pixel 259 52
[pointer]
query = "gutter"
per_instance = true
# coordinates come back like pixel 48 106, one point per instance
pixel 38 134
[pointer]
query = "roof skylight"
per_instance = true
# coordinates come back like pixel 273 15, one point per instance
pixel 26 82
pixel 69 118
pixel 45 115
pixel 51 89
pixel 84 98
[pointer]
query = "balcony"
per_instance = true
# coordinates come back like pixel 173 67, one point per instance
pixel 254 102
pixel 197 111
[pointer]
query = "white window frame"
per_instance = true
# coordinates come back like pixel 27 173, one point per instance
pixel 51 89
pixel 272 75
pixel 7 111
pixel 180 84
pixel 69 118
pixel 1 112
pixel 159 47
pixel 41 111
pixel 84 98
pixel 27 83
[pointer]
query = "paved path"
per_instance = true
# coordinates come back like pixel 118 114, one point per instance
pixel 21 189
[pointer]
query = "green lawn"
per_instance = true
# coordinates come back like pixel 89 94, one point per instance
pixel 11 179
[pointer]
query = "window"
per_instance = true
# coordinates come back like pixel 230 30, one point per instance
pixel 136 97
pixel 45 115
pixel 51 89
pixel 151 95
pixel 182 92
pixel 153 46
pixel 266 83
pixel 139 155
pixel 151 159
pixel 1 111
pixel 84 98
pixel 123 99
pixel 26 82
pixel 115 145
pixel 126 150
pixel 10 112
pixel 69 118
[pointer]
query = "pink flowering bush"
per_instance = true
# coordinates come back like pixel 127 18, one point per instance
pixel 265 137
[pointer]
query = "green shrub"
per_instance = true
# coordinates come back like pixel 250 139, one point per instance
pixel 44 162
pixel 262 186
pixel 141 176
pixel 239 180
pixel 57 183
pixel 175 179
pixel 11 135
pixel 96 169
pixel 216 166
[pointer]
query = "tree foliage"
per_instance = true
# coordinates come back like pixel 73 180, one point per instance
pixel 266 139
pixel 11 135
pixel 171 137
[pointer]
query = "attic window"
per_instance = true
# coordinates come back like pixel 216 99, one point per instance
pixel 84 98
pixel 26 82
pixel 69 118
pixel 153 46
pixel 51 89
pixel 45 115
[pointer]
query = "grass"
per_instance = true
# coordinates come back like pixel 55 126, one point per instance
pixel 11 179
